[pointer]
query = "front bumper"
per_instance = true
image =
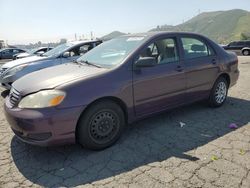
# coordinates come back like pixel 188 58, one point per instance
pixel 44 127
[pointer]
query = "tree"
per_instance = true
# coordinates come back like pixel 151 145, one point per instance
pixel 62 41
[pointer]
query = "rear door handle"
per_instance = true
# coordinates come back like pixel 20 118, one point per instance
pixel 213 61
pixel 179 68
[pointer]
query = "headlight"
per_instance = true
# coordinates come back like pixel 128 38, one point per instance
pixel 42 99
pixel 14 70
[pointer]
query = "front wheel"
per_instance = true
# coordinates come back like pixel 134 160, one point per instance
pixel 101 125
pixel 218 93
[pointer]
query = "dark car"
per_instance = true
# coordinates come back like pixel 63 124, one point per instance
pixel 242 47
pixel 118 82
pixel 36 51
pixel 7 53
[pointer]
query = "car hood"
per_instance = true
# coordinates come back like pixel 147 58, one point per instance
pixel 54 76
pixel 22 61
pixel 25 54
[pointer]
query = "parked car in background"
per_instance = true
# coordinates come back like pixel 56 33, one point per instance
pixel 245 51
pixel 242 47
pixel 61 54
pixel 35 51
pixel 118 82
pixel 7 53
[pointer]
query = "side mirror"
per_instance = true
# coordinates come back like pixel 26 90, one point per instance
pixel 146 62
pixel 40 53
pixel 66 55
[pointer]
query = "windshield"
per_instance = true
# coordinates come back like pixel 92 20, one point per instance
pixel 57 50
pixel 113 52
pixel 31 51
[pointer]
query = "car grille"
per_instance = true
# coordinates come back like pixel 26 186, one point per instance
pixel 14 97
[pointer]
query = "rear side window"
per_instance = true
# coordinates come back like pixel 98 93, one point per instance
pixel 240 43
pixel 194 48
pixel 248 43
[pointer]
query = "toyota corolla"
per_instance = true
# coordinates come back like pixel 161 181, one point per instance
pixel 122 80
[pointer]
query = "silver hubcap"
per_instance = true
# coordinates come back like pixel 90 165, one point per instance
pixel 220 92
pixel 245 52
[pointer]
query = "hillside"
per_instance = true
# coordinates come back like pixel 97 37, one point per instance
pixel 112 35
pixel 221 26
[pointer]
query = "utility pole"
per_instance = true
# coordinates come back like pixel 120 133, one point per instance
pixel 199 11
pixel 91 35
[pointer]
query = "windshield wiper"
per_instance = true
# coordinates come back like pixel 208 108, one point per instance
pixel 77 62
pixel 88 63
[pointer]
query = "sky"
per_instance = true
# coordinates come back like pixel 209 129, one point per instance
pixel 25 21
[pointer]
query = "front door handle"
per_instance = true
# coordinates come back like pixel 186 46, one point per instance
pixel 214 61
pixel 179 68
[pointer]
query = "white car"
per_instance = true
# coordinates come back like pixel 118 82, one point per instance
pixel 35 51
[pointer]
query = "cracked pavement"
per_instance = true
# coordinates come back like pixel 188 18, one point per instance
pixel 155 152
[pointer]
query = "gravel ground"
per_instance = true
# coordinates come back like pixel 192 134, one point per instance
pixel 155 152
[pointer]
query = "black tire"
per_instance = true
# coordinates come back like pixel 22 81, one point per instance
pixel 214 99
pixel 246 52
pixel 101 125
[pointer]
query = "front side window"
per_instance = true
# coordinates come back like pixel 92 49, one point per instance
pixel 16 51
pixel 163 50
pixel 233 44
pixel 58 50
pixel 194 48
pixel 85 48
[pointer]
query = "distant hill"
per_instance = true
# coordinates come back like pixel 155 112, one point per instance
pixel 221 26
pixel 112 35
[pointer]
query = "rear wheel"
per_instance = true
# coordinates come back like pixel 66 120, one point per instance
pixel 246 52
pixel 218 93
pixel 101 125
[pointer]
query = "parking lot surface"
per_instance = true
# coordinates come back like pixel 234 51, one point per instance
pixel 191 146
pixel 2 61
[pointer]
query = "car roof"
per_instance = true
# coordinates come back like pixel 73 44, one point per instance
pixel 83 41
pixel 11 49
pixel 160 33
pixel 152 33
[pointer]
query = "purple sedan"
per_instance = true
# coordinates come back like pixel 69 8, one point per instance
pixel 120 81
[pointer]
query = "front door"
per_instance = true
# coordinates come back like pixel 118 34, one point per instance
pixel 161 86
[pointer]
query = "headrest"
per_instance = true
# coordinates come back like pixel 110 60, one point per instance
pixel 198 48
pixel 146 53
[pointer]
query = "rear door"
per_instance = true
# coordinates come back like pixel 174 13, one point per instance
pixel 201 65
pixel 163 85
